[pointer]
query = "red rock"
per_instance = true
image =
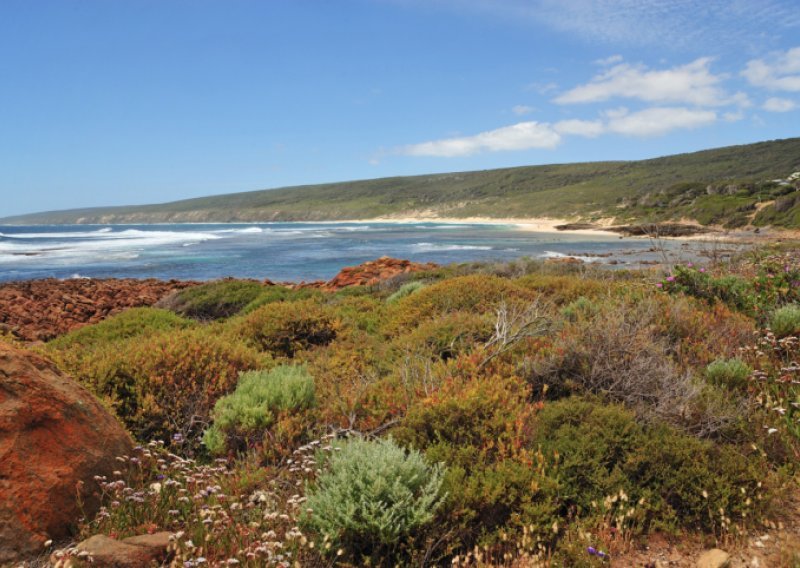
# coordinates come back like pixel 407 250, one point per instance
pixel 37 309
pixel 104 552
pixel 54 438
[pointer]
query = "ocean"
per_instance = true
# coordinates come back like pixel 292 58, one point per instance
pixel 285 251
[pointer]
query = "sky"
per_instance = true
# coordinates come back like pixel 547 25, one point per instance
pixel 112 102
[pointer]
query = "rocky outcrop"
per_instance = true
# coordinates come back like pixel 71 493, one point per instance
pixel 372 272
pixel 54 438
pixel 38 310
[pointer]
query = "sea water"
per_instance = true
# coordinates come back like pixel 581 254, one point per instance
pixel 284 251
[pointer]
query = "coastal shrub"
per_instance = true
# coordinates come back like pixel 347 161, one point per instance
pixel 448 335
pixel 405 290
pixel 286 328
pixel 668 479
pixel 561 290
pixel 476 293
pixel 698 333
pixel 165 383
pixel 785 321
pixel 371 495
pixel 621 354
pixel 272 294
pixel 481 429
pixel 730 289
pixel 579 308
pixel 360 312
pixel 133 322
pixel 261 397
pixel 348 374
pixel 213 300
pixel 729 373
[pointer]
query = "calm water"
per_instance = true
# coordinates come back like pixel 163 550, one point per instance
pixel 280 251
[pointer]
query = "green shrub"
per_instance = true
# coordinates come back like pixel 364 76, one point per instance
pixel 272 294
pixel 730 373
pixel 213 300
pixel 405 290
pixel 372 495
pixel 134 322
pixel 241 417
pixel 579 308
pixel 477 293
pixel 785 321
pixel 671 480
pixel 286 328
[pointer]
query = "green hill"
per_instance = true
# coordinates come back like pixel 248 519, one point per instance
pixel 728 186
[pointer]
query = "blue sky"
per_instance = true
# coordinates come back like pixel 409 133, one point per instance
pixel 107 102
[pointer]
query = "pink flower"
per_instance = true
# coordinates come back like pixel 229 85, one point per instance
pixel 689 264
pixel 702 270
pixel 659 285
pixel 670 279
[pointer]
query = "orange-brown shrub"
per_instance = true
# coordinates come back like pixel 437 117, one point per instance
pixel 284 329
pixel 562 290
pixel 166 383
pixel 347 374
pixel 476 293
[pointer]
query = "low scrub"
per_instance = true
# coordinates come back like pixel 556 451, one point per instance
pixel 163 386
pixel 284 329
pixel 214 300
pixel 242 419
pixel 785 321
pixel 134 322
pixel 371 496
pixel 476 293
pixel 669 480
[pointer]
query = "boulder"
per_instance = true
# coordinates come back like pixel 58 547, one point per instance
pixel 105 552
pixel 714 558
pixel 55 436
pixel 373 272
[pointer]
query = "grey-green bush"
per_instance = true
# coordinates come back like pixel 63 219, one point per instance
pixel 785 321
pixel 405 290
pixel 372 495
pixel 241 417
pixel 729 373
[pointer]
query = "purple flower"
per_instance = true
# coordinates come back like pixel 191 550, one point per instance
pixel 659 285
pixel 702 270
pixel 689 264
pixel 670 279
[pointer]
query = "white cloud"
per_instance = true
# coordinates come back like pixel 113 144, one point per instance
pixel 520 136
pixel 587 128
pixel 522 109
pixel 781 72
pixel 775 104
pixel 693 83
pixel 659 120
pixel 611 60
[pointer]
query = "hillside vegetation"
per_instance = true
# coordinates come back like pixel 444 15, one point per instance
pixel 521 414
pixel 656 189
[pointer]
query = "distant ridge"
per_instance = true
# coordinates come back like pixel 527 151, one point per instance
pixel 679 186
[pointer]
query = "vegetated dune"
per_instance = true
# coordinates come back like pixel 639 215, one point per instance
pixel 732 186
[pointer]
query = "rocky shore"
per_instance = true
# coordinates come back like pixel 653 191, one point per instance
pixel 39 310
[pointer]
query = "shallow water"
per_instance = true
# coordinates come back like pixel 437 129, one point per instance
pixel 282 251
